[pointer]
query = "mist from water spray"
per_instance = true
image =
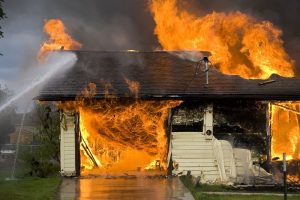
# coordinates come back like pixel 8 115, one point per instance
pixel 56 62
pixel 13 170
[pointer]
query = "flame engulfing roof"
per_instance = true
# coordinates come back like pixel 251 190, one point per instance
pixel 161 75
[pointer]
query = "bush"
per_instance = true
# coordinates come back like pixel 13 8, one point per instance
pixel 37 164
pixel 44 160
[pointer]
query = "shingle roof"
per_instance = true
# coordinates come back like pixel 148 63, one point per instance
pixel 161 75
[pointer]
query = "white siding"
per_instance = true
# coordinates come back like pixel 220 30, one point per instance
pixel 67 145
pixel 192 151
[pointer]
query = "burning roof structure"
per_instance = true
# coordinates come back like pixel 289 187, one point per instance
pixel 162 75
pixel 143 123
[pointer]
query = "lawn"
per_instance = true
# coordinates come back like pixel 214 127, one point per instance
pixel 29 188
pixel 199 196
pixel 26 187
pixel 199 193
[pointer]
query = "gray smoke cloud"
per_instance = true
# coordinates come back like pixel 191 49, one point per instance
pixel 98 25
pixel 118 25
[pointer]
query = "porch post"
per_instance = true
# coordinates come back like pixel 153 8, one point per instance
pixel 269 133
pixel 77 143
pixel 169 135
pixel 208 122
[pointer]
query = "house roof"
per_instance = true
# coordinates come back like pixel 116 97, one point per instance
pixel 162 75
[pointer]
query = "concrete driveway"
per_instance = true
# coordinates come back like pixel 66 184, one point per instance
pixel 125 188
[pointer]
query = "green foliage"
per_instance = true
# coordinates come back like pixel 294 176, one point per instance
pixel 6 124
pixel 38 164
pixel 5 93
pixel 7 116
pixel 44 160
pixel 49 131
pixel 2 15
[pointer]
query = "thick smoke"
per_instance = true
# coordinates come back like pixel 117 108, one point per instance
pixel 118 25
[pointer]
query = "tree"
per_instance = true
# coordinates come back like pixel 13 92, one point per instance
pixel 49 130
pixel 45 160
pixel 4 93
pixel 7 116
pixel 2 15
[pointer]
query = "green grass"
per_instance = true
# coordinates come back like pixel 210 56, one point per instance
pixel 199 196
pixel 29 188
pixel 203 187
pixel 199 192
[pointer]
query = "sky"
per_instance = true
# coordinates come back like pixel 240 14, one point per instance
pixel 117 25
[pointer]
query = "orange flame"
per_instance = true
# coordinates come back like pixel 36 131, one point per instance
pixel 58 38
pixel 239 43
pixel 126 135
pixel 86 160
pixel 293 179
pixel 121 135
pixel 286 130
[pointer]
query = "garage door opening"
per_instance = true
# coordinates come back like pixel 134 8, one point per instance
pixel 124 136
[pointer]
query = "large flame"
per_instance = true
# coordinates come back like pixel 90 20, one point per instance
pixel 286 130
pixel 126 135
pixel 120 135
pixel 239 43
pixel 86 150
pixel 58 38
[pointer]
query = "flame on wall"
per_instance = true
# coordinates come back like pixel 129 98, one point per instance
pixel 286 130
pixel 240 45
pixel 58 38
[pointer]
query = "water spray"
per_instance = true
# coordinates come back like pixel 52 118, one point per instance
pixel 58 62
pixel 12 176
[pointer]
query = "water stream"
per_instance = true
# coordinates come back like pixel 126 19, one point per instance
pixel 57 62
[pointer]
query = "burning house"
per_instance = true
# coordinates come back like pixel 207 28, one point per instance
pixel 172 112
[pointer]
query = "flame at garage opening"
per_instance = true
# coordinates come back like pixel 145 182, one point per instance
pixel 125 135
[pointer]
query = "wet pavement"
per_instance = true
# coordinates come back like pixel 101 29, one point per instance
pixel 125 188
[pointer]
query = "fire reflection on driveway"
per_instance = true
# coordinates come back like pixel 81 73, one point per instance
pixel 124 187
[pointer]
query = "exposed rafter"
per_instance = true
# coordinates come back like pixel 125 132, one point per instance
pixel 287 108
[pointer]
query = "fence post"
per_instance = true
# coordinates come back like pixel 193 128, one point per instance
pixel 284 176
